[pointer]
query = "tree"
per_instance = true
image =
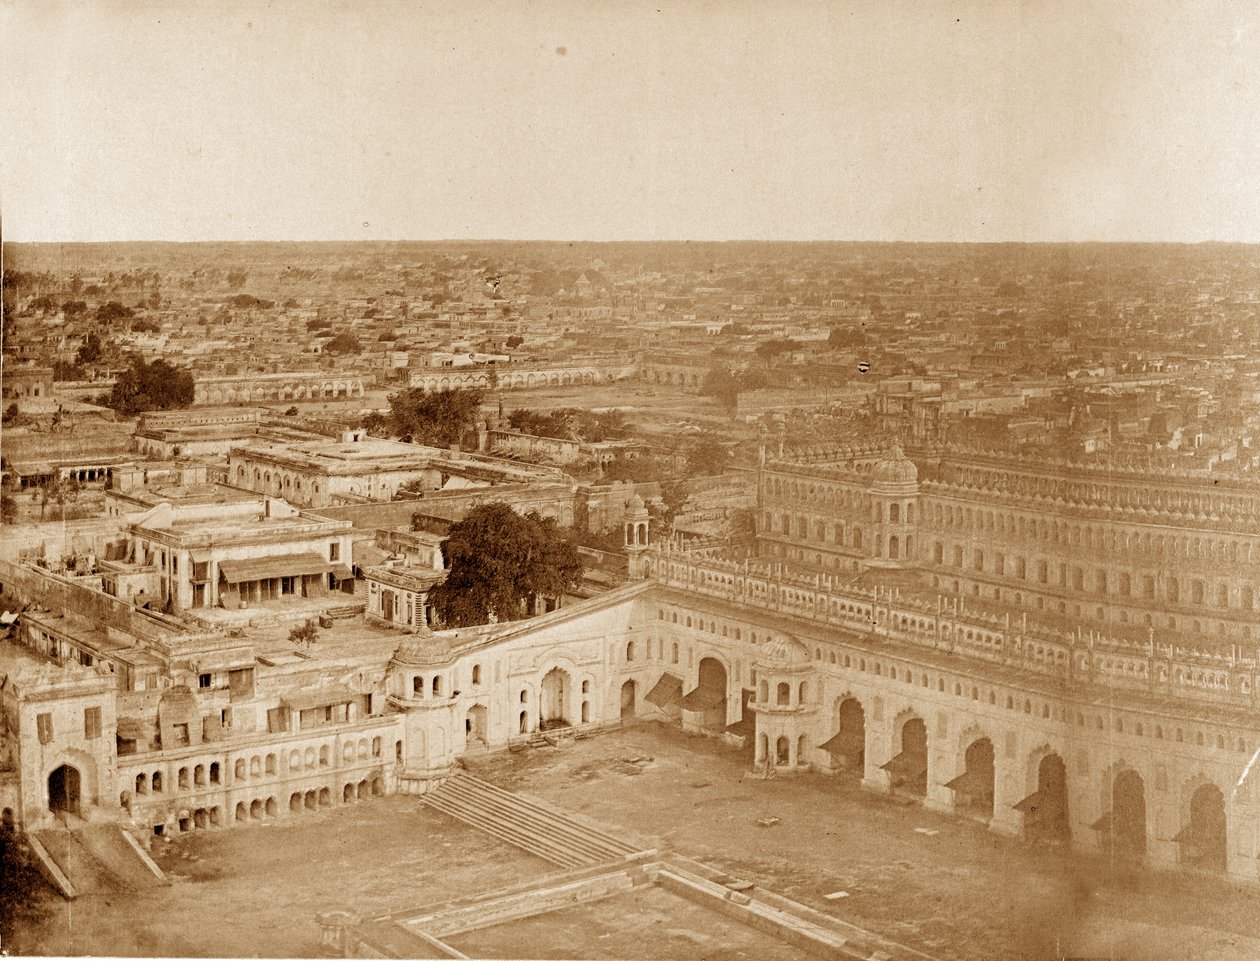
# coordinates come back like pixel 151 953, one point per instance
pixel 90 350
pixel 11 413
pixel 515 341
pixel 707 458
pixel 8 509
pixel 439 418
pixel 344 343
pixel 113 311
pixel 499 562
pixel 304 634
pixel 72 308
pixel 60 491
pixel 673 497
pixel 723 386
pixel 155 386
pixel 770 349
pixel 21 885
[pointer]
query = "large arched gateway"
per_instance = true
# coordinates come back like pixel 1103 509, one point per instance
pixel 63 790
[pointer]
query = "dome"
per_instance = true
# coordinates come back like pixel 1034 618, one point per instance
pixel 896 468
pixel 781 654
pixel 424 649
pixel 635 504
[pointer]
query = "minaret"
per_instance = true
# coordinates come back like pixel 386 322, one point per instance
pixel 636 522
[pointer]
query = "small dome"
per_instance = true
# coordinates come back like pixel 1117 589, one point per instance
pixel 896 468
pixel 781 654
pixel 635 504
pixel 424 649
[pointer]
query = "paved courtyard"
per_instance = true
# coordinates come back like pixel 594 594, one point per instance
pixel 959 893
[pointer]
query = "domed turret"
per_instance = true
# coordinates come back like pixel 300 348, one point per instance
pixel 424 649
pixel 780 654
pixel 895 470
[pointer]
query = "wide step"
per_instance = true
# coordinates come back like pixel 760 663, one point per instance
pixel 526 824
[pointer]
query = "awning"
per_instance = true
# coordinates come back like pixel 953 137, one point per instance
pixel 846 742
pixel 702 699
pixel 279 565
pixel 1103 823
pixel 743 727
pixel 1031 804
pixel 971 782
pixel 340 572
pixel 667 690
pixel 906 765
pixel 319 697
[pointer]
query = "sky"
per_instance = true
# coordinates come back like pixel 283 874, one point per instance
pixel 1062 120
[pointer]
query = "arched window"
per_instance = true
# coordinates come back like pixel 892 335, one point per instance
pixel 784 694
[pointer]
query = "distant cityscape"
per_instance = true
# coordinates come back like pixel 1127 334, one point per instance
pixel 968 529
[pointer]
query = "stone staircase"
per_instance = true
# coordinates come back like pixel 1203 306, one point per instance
pixel 526 824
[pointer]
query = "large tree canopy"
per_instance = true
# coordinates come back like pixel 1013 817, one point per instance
pixel 439 418
pixel 155 386
pixel 499 561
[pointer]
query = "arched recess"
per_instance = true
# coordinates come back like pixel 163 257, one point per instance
pixel 1122 826
pixel 629 697
pixel 907 770
pixel 1045 807
pixel 973 788
pixel 475 727
pixel 555 700
pixel 709 696
pixel 1203 838
pixel 847 746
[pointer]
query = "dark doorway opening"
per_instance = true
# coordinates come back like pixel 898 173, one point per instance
pixel 63 790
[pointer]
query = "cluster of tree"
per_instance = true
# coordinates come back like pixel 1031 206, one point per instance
pixel 842 337
pixel 151 386
pixel 500 561
pixel 569 423
pixel 344 343
pixel 11 414
pixel 73 308
pixel 725 385
pixel 318 323
pixel 63 371
pixel 437 418
pixel 775 347
pixel 112 311
pixel 249 300
pixel 236 278
pixel 515 341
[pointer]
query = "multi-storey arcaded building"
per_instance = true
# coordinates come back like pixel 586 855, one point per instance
pixel 833 651
pixel 1113 546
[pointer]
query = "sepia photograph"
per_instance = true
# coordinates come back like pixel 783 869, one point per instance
pixel 652 480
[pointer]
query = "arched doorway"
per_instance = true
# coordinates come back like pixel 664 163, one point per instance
pixel 973 789
pixel 63 790
pixel 907 771
pixel 1203 838
pixel 475 727
pixel 848 746
pixel 554 703
pixel 709 697
pixel 629 693
pixel 1123 828
pixel 1046 809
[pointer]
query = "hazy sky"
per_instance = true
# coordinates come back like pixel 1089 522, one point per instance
pixel 1053 120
